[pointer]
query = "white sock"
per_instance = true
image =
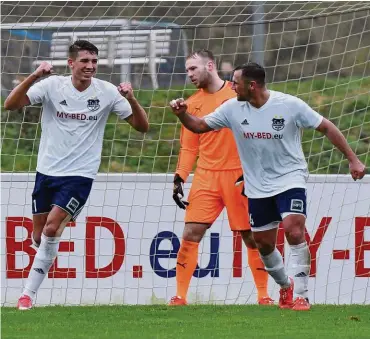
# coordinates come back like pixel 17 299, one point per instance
pixel 274 265
pixel 301 263
pixel 44 258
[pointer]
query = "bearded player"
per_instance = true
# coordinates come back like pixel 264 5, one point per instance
pixel 275 169
pixel 213 187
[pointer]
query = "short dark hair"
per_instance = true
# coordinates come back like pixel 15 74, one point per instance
pixel 82 45
pixel 253 71
pixel 203 53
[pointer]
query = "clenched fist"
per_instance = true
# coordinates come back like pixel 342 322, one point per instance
pixel 43 70
pixel 126 90
pixel 357 169
pixel 178 106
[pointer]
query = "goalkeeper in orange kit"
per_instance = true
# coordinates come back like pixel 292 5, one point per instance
pixel 213 188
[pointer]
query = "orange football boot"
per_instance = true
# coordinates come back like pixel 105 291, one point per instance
pixel 301 304
pixel 177 301
pixel 286 296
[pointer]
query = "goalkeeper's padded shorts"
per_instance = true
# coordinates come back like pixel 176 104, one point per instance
pixel 210 192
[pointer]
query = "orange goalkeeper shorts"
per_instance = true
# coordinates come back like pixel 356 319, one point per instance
pixel 210 192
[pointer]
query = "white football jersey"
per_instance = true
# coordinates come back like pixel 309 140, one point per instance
pixel 268 141
pixel 73 124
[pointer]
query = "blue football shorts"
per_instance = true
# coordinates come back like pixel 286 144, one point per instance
pixel 266 211
pixel 70 193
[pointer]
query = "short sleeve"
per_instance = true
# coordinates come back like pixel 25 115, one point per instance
pixel 218 119
pixel 121 107
pixel 39 91
pixel 306 117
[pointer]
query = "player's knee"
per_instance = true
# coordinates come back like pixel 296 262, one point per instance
pixel 194 232
pixel 265 248
pixel 294 230
pixel 51 227
pixel 192 236
pixel 295 236
pixel 248 239
pixel 264 245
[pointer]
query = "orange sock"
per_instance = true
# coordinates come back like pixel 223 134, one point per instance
pixel 187 259
pixel 259 273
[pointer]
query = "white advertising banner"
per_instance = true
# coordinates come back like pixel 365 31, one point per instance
pixel 122 248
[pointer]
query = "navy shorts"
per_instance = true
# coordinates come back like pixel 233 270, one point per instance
pixel 68 193
pixel 265 211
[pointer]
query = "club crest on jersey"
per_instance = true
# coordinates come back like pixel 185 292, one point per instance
pixel 278 123
pixel 93 104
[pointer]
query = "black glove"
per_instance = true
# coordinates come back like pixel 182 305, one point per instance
pixel 178 192
pixel 240 181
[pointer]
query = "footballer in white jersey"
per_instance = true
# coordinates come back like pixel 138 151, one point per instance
pixel 269 141
pixel 74 115
pixel 73 124
pixel 267 129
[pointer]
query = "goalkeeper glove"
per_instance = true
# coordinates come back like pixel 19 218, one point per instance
pixel 239 181
pixel 178 192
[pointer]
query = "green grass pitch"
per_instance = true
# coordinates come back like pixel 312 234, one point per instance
pixel 160 321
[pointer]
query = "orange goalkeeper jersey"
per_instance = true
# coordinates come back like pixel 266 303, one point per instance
pixel 217 149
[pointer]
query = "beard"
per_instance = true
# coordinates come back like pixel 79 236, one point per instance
pixel 244 96
pixel 203 81
pixel 240 97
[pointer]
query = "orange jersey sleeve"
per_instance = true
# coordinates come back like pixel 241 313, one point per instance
pixel 189 147
pixel 217 149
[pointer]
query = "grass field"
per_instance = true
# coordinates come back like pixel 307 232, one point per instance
pixel 206 321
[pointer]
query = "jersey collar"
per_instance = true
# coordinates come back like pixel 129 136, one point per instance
pixel 267 103
pixel 76 91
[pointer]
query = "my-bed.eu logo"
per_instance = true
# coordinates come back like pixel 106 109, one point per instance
pixel 15 247
pixel 76 116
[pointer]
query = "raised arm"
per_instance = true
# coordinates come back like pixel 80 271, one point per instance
pixel 357 168
pixel 138 119
pixel 18 98
pixel 191 122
